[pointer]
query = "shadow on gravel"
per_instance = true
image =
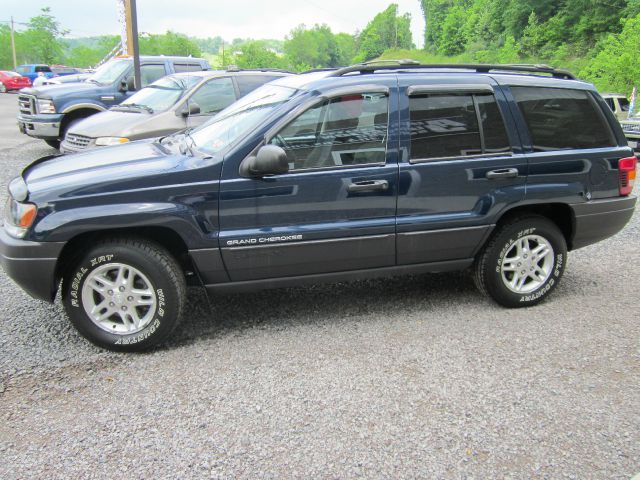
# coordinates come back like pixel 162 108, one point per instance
pixel 321 304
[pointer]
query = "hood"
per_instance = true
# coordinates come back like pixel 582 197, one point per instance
pixel 63 90
pixel 108 170
pixel 113 124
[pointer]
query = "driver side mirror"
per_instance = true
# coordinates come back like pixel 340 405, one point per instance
pixel 127 85
pixel 270 160
pixel 192 109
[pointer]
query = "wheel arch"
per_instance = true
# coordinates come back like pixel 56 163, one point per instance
pixel 76 112
pixel 163 236
pixel 560 214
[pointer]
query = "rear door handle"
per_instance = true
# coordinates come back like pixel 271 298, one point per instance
pixel 502 173
pixel 369 186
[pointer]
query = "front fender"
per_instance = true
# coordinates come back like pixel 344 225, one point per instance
pixel 62 226
pixel 72 106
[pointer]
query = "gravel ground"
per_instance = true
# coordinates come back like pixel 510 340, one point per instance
pixel 397 378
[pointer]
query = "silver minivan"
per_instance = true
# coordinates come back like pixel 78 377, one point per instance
pixel 168 105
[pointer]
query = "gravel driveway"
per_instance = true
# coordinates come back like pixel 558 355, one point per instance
pixel 398 378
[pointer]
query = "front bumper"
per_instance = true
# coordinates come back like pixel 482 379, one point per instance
pixel 45 126
pixel 32 265
pixel 599 219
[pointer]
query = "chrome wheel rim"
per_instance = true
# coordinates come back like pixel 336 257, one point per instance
pixel 119 298
pixel 527 264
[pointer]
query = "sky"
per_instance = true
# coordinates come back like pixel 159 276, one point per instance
pixel 209 18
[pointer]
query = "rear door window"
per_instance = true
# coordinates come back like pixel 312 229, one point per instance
pixel 149 73
pixel 451 125
pixel 42 68
pixel 215 95
pixel 247 83
pixel 561 118
pixel 187 67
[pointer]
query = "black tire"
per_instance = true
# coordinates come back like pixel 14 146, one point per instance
pixel 154 265
pixel 53 144
pixel 489 277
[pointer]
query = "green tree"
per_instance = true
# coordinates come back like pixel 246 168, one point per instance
pixel 387 30
pixel 315 47
pixel 453 40
pixel 616 66
pixel 254 54
pixel 169 43
pixel 42 38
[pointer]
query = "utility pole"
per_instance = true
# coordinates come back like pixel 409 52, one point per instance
pixel 13 47
pixel 131 18
pixel 223 54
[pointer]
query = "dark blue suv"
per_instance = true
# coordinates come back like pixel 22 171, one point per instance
pixel 329 176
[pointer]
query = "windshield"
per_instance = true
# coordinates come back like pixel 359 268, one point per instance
pixel 161 94
pixel 110 71
pixel 239 118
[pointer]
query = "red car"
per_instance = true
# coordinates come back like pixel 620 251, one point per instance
pixel 12 81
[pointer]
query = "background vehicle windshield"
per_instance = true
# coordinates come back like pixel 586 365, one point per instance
pixel 110 71
pixel 162 94
pixel 241 117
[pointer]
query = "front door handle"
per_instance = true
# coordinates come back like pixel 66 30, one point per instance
pixel 502 173
pixel 369 186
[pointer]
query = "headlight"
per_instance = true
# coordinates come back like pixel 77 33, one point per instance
pixel 106 141
pixel 46 106
pixel 19 217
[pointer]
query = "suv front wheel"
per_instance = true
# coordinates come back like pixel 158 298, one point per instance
pixel 523 262
pixel 125 294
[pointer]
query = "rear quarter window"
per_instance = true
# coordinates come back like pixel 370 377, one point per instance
pixel 561 119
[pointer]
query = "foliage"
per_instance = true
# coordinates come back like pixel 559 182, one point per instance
pixel 255 54
pixel 615 66
pixel 313 47
pixel 169 43
pixel 386 30
pixel 579 34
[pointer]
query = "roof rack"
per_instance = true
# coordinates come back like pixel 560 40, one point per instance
pixel 235 68
pixel 371 67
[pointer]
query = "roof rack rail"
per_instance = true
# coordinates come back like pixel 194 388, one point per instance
pixel 235 68
pixel 371 67
pixel 323 69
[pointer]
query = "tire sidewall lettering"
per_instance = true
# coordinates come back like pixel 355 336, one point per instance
pixel 78 277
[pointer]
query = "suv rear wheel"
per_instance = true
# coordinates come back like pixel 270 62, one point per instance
pixel 125 294
pixel 523 262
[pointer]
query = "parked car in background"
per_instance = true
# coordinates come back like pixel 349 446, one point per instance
pixel 47 112
pixel 31 70
pixel 370 170
pixel 631 129
pixel 173 103
pixel 61 70
pixel 618 103
pixel 78 77
pixel 12 81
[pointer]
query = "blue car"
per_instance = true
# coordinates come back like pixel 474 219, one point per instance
pixel 371 170
pixel 31 70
